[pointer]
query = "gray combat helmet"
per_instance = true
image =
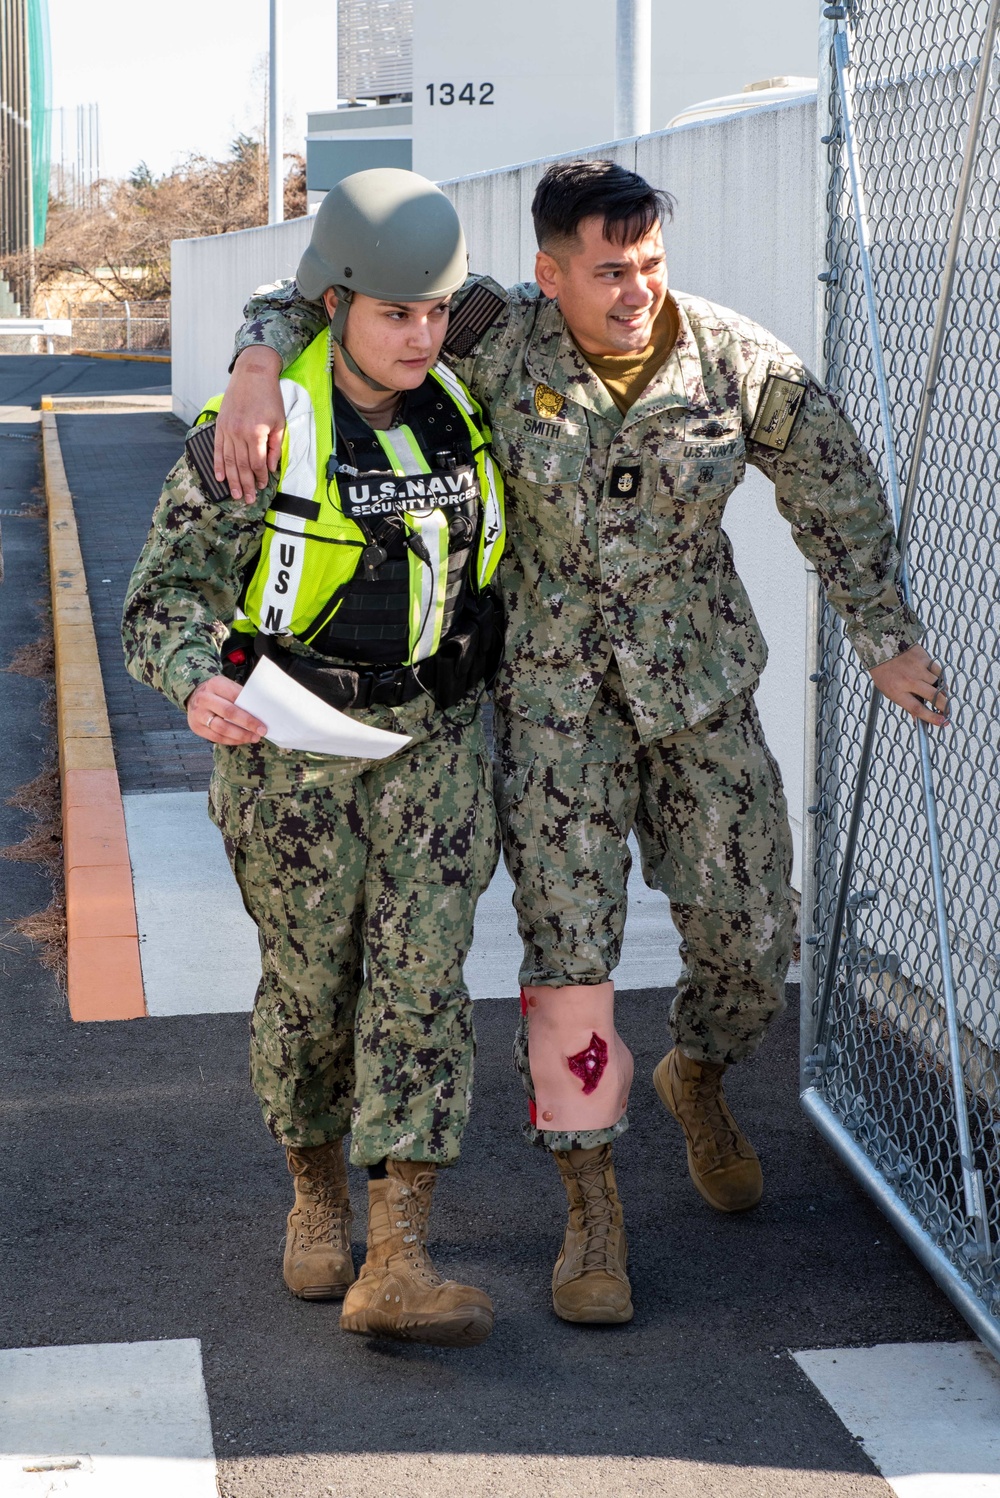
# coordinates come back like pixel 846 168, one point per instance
pixel 388 234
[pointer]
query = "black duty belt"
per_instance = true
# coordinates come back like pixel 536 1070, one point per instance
pixel 470 655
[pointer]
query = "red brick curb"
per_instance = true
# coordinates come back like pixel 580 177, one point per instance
pixel 104 973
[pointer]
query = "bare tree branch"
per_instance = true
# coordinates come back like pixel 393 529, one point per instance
pixel 121 248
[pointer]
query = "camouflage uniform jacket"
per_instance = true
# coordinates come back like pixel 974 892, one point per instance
pixel 186 584
pixel 615 541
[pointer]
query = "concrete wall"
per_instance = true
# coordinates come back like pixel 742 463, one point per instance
pixel 744 236
pixel 212 279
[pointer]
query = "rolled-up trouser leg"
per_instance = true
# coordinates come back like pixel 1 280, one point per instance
pixel 566 806
pixel 434 847
pixel 712 825
pixel 299 859
pixel 713 831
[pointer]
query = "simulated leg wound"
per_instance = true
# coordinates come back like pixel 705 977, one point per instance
pixel 318 1263
pixel 399 1293
pixel 722 1162
pixel 581 1069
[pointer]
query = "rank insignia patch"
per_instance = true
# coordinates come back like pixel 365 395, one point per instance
pixel 779 405
pixel 624 481
pixel 548 403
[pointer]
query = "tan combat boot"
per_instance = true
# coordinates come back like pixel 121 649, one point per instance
pixel 721 1160
pixel 318 1263
pixel 589 1282
pixel 399 1293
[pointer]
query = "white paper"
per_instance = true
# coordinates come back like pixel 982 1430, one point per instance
pixel 297 719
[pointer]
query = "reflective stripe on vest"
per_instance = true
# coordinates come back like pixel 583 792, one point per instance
pixel 493 532
pixel 280 577
pixel 428 564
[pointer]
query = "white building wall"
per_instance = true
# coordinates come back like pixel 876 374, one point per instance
pixel 211 280
pixel 703 51
pixel 548 74
pixel 521 101
pixel 743 236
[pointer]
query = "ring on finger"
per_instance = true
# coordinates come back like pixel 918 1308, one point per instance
pixel 210 719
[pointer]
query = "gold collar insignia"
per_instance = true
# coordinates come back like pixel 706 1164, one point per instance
pixel 548 403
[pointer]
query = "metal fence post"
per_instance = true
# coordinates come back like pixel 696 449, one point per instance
pixel 906 1063
pixel 808 937
pixel 975 1204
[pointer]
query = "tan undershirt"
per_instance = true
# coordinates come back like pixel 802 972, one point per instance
pixel 627 375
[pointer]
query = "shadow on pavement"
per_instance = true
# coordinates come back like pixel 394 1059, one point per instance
pixel 145 1200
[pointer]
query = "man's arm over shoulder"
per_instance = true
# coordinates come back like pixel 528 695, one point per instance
pixel 827 488
pixel 279 317
pixel 281 323
pixel 186 584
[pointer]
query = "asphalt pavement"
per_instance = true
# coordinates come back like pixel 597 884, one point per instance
pixel 142 1199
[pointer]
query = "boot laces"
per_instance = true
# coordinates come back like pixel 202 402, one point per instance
pixel 324 1220
pixel 321 1204
pixel 715 1131
pixel 411 1211
pixel 597 1200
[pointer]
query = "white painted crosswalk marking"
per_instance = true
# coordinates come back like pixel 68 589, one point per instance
pixel 105 1420
pixel 928 1413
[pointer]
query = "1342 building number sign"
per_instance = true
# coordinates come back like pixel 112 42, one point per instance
pixel 467 93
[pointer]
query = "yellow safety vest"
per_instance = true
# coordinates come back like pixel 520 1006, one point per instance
pixel 311 549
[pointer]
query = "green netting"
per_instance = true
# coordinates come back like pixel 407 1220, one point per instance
pixel 40 82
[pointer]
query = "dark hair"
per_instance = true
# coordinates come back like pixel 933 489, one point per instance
pixel 571 191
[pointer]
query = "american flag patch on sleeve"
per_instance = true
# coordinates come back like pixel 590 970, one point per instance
pixel 477 311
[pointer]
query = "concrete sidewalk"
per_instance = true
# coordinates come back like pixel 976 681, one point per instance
pixel 143 1209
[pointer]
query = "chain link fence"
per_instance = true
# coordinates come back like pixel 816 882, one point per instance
pixel 121 325
pixel 901 1013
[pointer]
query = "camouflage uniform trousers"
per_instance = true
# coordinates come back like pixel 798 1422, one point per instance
pixel 710 817
pixel 362 877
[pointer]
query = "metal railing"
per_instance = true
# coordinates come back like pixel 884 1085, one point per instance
pixel 901 1014
pixel 121 325
pixel 39 329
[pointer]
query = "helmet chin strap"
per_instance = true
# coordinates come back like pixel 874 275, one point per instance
pixel 337 325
